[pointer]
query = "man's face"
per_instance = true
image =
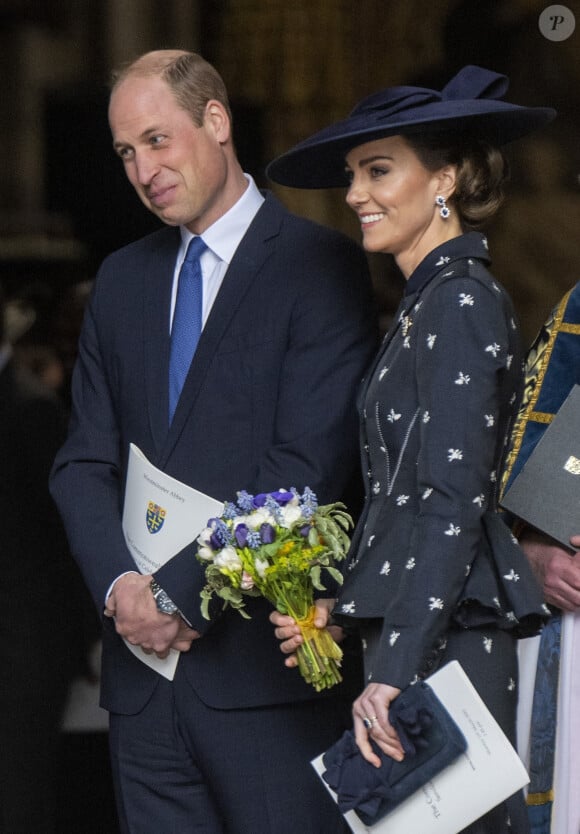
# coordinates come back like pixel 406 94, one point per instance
pixel 178 170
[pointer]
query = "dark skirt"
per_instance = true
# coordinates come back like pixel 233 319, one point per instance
pixel 497 685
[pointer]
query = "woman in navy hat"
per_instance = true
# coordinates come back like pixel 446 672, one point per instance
pixel 433 573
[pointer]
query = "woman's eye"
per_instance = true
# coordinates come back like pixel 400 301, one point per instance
pixel 378 172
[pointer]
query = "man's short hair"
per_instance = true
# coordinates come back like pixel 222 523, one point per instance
pixel 192 79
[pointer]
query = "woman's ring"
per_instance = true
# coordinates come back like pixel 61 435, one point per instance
pixel 368 722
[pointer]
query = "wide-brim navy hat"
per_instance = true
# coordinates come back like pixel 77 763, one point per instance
pixel 470 102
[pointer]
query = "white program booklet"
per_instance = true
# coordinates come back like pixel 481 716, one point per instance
pixel 161 516
pixel 487 773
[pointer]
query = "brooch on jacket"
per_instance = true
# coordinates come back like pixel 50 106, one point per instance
pixel 406 324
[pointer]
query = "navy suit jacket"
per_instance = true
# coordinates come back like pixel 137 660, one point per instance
pixel 269 402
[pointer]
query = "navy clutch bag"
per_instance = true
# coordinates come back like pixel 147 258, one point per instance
pixel 431 741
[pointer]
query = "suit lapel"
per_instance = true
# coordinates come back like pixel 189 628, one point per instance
pixel 157 271
pixel 254 251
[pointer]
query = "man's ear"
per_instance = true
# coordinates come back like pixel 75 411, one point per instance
pixel 217 120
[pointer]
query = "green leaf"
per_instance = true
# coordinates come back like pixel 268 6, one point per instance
pixel 315 578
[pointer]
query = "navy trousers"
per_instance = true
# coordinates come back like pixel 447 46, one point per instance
pixel 180 766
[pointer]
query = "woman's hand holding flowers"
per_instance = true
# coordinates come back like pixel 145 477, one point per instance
pixel 290 634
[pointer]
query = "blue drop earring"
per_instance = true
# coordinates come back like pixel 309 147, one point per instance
pixel 443 209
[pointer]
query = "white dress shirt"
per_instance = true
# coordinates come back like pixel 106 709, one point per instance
pixel 222 239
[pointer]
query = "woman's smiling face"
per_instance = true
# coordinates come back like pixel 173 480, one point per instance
pixel 393 195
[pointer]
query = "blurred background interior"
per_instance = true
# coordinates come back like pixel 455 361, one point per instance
pixel 291 68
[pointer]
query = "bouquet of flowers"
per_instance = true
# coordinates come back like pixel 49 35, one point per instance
pixel 276 545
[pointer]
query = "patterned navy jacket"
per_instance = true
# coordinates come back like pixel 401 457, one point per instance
pixel 435 411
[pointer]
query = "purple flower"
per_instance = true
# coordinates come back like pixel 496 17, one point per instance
pixel 254 540
pixel 241 534
pixel 245 501
pixel 220 535
pixel 267 533
pixel 230 510
pixel 304 530
pixel 281 497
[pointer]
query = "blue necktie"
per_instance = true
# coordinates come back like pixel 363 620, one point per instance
pixel 186 328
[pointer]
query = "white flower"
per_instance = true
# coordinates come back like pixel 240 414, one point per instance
pixel 260 565
pixel 256 518
pixel 494 349
pixel 427 493
pixel 489 420
pixel 479 500
pixel 466 299
pixel 204 537
pixel 488 644
pixel 205 553
pixel 453 530
pixel 426 417
pixel 463 379
pixel 511 685
pixel 289 515
pixel 386 569
pixel 348 607
pixel 435 603
pixel 444 259
pixel 376 487
pixel 431 340
pixel 407 342
pixel 402 500
pixel 509 360
pixel 410 563
pixel 454 454
pixel 229 559
pixel 393 416
pixel 393 637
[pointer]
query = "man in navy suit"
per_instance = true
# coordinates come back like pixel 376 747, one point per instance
pixel 268 402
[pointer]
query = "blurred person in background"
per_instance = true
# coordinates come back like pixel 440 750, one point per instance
pixel 37 581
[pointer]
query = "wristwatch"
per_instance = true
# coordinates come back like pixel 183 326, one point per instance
pixel 163 602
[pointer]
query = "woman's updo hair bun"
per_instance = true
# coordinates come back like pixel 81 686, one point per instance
pixel 481 172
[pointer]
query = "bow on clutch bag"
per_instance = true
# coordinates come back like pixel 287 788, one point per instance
pixel 431 741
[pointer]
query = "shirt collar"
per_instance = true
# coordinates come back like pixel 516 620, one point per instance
pixel 223 237
pixel 469 245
